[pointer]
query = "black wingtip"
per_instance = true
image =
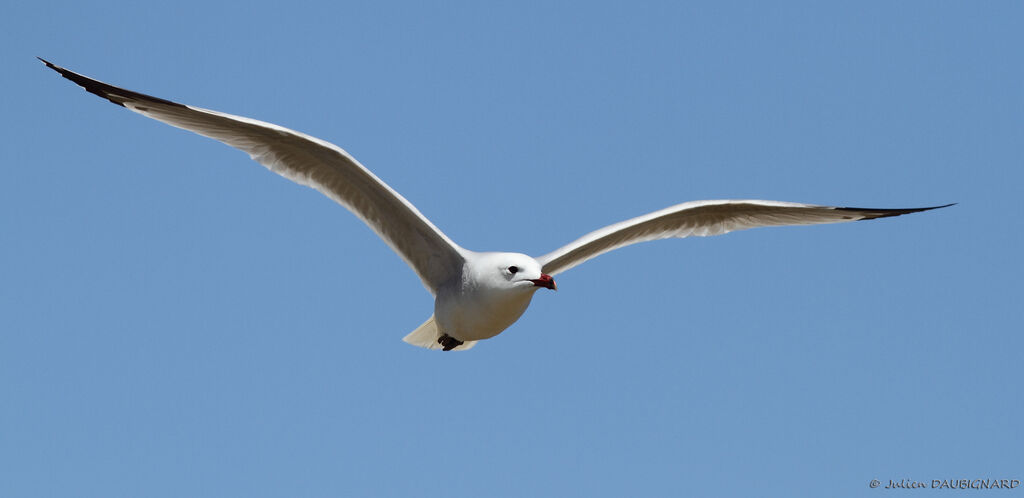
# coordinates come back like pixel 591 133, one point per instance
pixel 50 64
pixel 874 214
pixel 110 92
pixel 90 85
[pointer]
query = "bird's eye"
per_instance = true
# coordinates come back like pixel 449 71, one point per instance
pixel 513 269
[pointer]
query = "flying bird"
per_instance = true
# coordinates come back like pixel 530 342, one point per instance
pixel 477 294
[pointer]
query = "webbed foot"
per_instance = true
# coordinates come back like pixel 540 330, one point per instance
pixel 448 342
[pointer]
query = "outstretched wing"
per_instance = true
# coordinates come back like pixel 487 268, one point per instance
pixel 703 218
pixel 311 162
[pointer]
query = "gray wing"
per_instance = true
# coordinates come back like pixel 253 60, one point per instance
pixel 703 218
pixel 311 162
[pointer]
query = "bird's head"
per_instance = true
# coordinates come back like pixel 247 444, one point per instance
pixel 513 271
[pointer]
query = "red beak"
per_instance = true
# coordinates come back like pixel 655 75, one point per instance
pixel 545 280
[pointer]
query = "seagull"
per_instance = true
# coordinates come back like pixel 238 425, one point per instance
pixel 477 295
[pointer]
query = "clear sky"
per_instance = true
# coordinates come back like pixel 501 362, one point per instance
pixel 177 321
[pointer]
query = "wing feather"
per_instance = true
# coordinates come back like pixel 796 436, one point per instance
pixel 704 218
pixel 312 162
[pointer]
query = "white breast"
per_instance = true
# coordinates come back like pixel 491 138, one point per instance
pixel 479 315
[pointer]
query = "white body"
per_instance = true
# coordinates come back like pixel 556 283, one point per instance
pixel 484 299
pixel 481 304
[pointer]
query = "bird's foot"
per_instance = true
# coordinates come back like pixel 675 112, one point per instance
pixel 448 342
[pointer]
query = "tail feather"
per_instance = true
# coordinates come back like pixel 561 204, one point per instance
pixel 426 336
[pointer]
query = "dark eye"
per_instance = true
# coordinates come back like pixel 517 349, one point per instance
pixel 513 269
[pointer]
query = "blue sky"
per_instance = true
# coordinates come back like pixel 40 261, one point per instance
pixel 177 321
